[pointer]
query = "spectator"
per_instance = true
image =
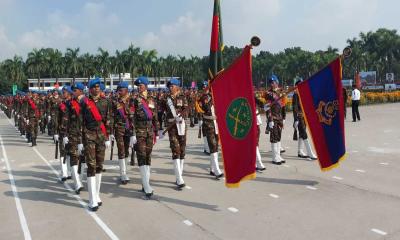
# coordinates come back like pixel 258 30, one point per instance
pixel 355 101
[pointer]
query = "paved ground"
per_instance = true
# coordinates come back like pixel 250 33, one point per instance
pixel 359 200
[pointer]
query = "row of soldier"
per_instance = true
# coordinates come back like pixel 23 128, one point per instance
pixel 83 126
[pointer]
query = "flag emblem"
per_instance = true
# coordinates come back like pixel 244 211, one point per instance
pixel 239 118
pixel 327 111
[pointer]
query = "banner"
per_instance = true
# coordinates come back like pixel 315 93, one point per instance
pixel 322 102
pixel 236 118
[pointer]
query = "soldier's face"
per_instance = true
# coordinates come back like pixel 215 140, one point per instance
pixel 142 88
pixel 174 89
pixel 95 90
pixel 274 85
pixel 123 92
pixel 77 93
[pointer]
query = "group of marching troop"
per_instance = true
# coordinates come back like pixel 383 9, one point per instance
pixel 84 121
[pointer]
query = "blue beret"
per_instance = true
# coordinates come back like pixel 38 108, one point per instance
pixel 123 85
pixel 79 86
pixel 205 83
pixel 142 80
pixel 174 81
pixel 68 89
pixel 273 78
pixel 94 82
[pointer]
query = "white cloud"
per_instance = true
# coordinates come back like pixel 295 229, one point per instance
pixel 8 48
pixel 187 35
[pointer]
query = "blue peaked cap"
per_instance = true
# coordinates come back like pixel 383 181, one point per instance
pixel 94 82
pixel 142 80
pixel 123 85
pixel 79 86
pixel 174 81
pixel 273 78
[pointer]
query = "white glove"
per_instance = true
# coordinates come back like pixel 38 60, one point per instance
pixel 266 107
pixel 108 144
pixel 132 141
pixel 65 141
pixel 200 123
pixel 112 138
pixel 271 124
pixel 284 121
pixel 160 134
pixel 178 119
pixel 56 137
pixel 80 148
pixel 17 115
pixel 296 124
pixel 27 121
pixel 49 118
pixel 157 138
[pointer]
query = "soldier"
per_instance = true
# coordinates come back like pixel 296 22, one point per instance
pixel 273 110
pixel 96 119
pixel 60 122
pixel 74 134
pixel 32 116
pixel 300 125
pixel 52 111
pixel 123 127
pixel 175 106
pixel 145 134
pixel 210 129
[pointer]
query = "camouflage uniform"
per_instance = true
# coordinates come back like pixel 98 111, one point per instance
pixel 52 111
pixel 32 114
pixel 210 131
pixel 146 129
pixel 300 125
pixel 123 129
pixel 93 137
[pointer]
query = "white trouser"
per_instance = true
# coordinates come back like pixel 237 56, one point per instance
pixel 214 164
pixel 178 171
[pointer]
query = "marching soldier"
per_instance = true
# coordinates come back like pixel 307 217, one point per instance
pixel 123 127
pixel 259 165
pixel 145 134
pixel 273 110
pixel 96 119
pixel 74 134
pixel 32 116
pixel 210 129
pixel 52 111
pixel 300 125
pixel 175 106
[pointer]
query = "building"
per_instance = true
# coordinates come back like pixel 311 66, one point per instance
pixel 111 82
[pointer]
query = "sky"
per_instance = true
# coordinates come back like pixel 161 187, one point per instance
pixel 182 27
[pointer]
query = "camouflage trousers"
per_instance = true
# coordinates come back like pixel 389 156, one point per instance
pixel 276 132
pixel 177 143
pixel 61 146
pixel 212 137
pixel 144 144
pixel 33 127
pixel 21 125
pixel 94 151
pixel 74 140
pixel 122 142
pixel 16 122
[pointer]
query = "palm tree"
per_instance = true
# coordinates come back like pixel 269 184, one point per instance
pixel 72 61
pixel 36 64
pixel 15 69
pixel 132 56
pixel 56 63
pixel 103 63
pixel 87 63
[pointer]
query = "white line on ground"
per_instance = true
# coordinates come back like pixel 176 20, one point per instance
pixel 188 223
pixel 311 188
pixel 286 166
pixel 384 163
pixel 188 187
pixel 100 222
pixel 234 210
pixel 273 195
pixel 380 232
pixel 337 178
pixel 360 171
pixel 22 219
pixel 355 151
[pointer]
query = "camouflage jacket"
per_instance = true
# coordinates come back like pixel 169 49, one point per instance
pixel 123 112
pixel 88 120
pixel 180 103
pixel 141 121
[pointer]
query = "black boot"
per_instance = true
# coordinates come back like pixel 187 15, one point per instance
pixel 33 142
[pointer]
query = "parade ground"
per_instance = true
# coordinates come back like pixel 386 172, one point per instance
pixel 360 200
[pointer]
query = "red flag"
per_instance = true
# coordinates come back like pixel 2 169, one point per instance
pixel 235 111
pixel 357 80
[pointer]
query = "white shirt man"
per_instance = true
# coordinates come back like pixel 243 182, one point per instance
pixel 355 97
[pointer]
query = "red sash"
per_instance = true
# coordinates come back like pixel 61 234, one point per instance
pixel 76 106
pixel 63 107
pixel 96 114
pixel 33 106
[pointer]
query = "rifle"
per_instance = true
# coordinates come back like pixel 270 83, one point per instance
pixel 174 122
pixel 112 150
pixel 56 154
pixel 200 132
pixel 81 161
